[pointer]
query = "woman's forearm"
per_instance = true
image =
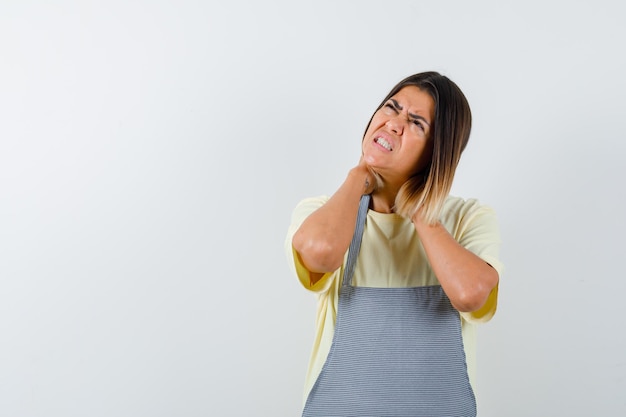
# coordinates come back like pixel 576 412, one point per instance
pixel 466 278
pixel 324 237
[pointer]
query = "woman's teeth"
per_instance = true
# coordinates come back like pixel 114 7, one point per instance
pixel 382 142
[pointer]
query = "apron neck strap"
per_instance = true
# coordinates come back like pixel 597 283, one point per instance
pixel 355 245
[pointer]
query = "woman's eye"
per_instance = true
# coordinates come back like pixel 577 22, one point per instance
pixel 418 124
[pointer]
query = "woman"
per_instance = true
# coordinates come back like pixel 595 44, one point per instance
pixel 403 271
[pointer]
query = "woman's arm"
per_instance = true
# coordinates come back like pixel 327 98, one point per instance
pixel 324 237
pixel 467 279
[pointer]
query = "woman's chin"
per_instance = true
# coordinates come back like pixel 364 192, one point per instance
pixel 371 161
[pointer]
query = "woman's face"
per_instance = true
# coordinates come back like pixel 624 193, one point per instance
pixel 397 143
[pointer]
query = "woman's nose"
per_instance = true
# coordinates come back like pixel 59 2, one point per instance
pixel 396 125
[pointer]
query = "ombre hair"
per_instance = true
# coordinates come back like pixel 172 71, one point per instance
pixel 450 130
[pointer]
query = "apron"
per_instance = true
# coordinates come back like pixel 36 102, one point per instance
pixel 395 352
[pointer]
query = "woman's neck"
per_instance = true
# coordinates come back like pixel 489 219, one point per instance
pixel 384 199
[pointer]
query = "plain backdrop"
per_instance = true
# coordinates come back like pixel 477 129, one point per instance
pixel 151 153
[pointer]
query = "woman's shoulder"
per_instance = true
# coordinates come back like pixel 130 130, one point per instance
pixel 319 200
pixel 306 206
pixel 311 203
pixel 459 203
pixel 457 208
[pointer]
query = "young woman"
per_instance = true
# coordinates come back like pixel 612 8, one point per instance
pixel 403 271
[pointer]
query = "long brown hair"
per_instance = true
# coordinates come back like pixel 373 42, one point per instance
pixel 450 133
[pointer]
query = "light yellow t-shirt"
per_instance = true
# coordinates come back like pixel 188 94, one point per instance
pixel 392 255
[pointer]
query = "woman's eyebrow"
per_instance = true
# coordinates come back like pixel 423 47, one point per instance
pixel 395 104
pixel 417 116
pixel 414 116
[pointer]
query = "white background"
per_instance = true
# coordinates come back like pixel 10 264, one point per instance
pixel 151 153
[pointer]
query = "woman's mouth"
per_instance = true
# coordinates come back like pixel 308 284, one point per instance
pixel 383 142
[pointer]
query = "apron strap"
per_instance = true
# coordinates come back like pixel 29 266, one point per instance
pixel 355 245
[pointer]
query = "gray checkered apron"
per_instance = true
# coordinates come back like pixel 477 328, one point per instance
pixel 395 352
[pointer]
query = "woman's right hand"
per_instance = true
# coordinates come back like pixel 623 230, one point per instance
pixel 372 180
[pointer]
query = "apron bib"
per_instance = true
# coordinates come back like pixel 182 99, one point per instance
pixel 395 352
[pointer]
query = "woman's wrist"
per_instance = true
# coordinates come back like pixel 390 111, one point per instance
pixel 421 224
pixel 363 178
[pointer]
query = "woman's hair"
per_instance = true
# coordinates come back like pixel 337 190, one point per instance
pixel 449 132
